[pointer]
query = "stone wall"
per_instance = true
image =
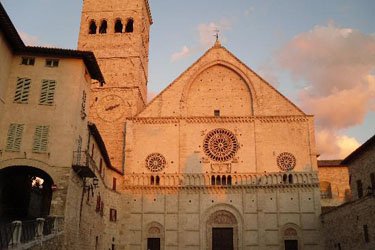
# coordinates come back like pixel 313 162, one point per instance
pixel 54 243
pixel 344 225
pixel 87 218
pixel 182 216
pixel 5 64
pixel 361 167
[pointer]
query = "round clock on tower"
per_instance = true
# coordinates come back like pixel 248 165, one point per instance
pixel 111 108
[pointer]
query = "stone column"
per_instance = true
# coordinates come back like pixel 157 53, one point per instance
pixel 17 231
pixel 39 228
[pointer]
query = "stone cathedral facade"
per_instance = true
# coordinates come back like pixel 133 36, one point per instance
pixel 218 160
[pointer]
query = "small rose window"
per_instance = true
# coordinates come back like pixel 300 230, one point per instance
pixel 155 162
pixel 286 161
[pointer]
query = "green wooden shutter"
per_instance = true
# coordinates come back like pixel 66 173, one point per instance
pixel 47 93
pixel 22 90
pixel 14 137
pixel 40 139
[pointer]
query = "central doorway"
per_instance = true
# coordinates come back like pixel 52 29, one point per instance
pixel 153 243
pixel 291 244
pixel 222 238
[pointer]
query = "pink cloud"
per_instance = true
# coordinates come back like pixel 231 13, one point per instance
pixel 206 37
pixel 329 58
pixel 207 31
pixel 185 52
pixel 342 109
pixel 333 146
pixel 336 65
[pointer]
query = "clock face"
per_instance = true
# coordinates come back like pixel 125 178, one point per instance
pixel 111 108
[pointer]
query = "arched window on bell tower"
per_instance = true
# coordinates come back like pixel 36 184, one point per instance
pixel 129 26
pixel 92 27
pixel 103 27
pixel 118 26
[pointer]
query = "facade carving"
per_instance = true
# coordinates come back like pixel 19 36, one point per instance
pixel 222 218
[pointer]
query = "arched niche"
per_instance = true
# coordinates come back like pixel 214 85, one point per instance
pixel 129 28
pixel 103 27
pixel 92 27
pixel 218 89
pixel 118 26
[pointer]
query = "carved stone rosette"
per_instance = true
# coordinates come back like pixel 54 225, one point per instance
pixel 220 145
pixel 155 162
pixel 286 161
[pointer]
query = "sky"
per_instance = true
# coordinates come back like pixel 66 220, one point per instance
pixel 319 54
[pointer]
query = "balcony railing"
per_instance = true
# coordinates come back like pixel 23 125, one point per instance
pixel 83 164
pixel 18 234
pixel 222 180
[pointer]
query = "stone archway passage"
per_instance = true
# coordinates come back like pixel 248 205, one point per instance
pixel 25 193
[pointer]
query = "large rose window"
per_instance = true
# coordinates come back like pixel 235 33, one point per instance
pixel 220 145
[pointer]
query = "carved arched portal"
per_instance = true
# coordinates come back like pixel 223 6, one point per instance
pixel 222 231
pixel 154 236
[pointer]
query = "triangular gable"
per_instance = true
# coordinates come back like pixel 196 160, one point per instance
pixel 266 100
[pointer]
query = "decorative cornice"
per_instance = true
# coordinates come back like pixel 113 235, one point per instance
pixel 155 120
pixel 282 119
pixel 220 189
pixel 223 119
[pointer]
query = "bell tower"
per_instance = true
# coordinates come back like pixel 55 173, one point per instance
pixel 117 31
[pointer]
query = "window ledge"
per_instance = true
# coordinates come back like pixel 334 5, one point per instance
pixel 12 151
pixel 48 105
pixel 41 153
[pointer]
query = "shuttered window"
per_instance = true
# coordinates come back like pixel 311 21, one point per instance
pixel 22 90
pixel 47 93
pixel 40 139
pixel 14 137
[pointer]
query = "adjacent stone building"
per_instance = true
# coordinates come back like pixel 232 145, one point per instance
pixel 44 98
pixel 352 225
pixel 334 183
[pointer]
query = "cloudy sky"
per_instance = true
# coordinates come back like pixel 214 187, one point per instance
pixel 320 54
